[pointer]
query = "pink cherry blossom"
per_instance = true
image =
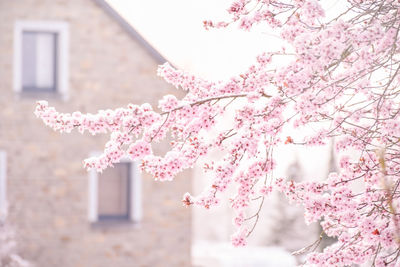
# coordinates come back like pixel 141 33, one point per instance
pixel 341 81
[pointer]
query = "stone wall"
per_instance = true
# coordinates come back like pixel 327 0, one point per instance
pixel 47 185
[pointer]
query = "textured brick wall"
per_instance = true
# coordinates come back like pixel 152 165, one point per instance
pixel 47 186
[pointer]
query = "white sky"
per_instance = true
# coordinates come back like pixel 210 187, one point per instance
pixel 175 29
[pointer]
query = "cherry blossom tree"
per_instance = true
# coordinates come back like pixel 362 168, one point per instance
pixel 336 75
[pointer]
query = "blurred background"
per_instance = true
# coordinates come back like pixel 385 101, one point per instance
pixel 97 54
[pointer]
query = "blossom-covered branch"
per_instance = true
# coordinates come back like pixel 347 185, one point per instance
pixel 341 77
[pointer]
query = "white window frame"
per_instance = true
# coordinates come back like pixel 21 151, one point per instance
pixel 62 30
pixel 135 183
pixel 3 183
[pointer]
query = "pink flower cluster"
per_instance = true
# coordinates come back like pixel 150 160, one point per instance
pixel 139 149
pixel 239 238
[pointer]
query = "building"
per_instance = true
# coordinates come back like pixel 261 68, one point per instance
pixel 81 55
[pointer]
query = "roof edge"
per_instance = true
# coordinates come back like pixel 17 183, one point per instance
pixel 130 30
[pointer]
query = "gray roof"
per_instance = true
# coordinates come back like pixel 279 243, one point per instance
pixel 130 30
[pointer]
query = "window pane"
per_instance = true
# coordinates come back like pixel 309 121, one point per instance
pixel 45 51
pixel 114 192
pixel 29 60
pixel 39 60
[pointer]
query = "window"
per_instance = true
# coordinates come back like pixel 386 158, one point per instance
pixel 115 194
pixel 39 61
pixel 41 57
pixel 3 182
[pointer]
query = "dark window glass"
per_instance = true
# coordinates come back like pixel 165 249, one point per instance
pixel 114 193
